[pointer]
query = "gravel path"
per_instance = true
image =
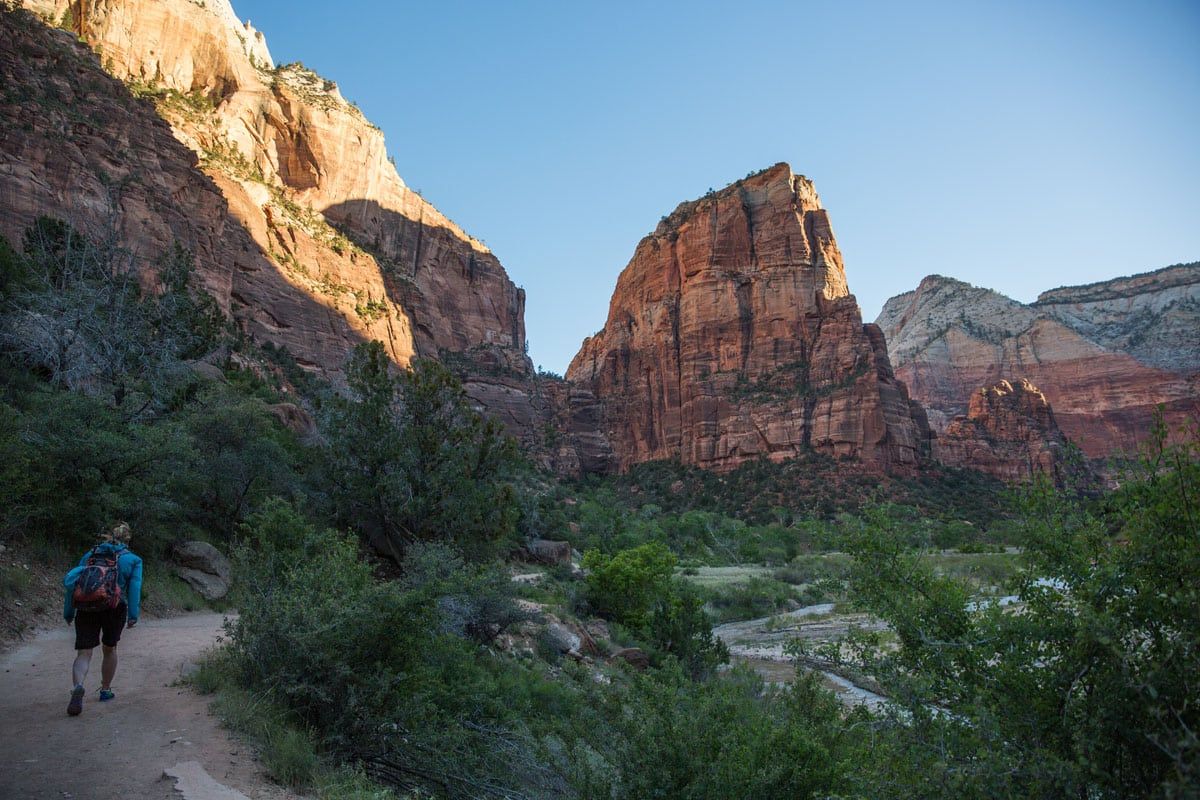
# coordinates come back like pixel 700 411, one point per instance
pixel 121 749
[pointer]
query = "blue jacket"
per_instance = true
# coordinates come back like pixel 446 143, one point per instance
pixel 129 574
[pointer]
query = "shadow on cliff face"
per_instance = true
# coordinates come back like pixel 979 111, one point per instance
pixel 459 296
pixel 75 143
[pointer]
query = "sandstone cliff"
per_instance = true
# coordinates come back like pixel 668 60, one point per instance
pixel 732 336
pixel 948 338
pixel 341 250
pixel 1008 431
pixel 1154 317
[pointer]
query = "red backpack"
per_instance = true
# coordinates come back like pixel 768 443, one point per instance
pixel 98 587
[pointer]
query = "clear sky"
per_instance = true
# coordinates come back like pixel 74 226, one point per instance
pixel 1016 145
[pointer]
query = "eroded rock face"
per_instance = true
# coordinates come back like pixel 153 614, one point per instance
pixel 1008 431
pixel 948 338
pixel 334 248
pixel 1154 317
pixel 732 336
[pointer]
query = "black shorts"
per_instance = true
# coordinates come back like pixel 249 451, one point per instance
pixel 90 624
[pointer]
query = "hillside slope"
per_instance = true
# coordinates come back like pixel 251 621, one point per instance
pixel 339 249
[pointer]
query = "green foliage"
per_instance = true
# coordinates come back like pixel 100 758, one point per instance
pixel 75 312
pixel 728 738
pixel 636 589
pixel 626 586
pixel 1089 691
pixel 758 597
pixel 386 672
pixel 14 580
pixel 101 416
pixel 412 461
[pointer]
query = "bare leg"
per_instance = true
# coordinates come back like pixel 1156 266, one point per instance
pixel 79 670
pixel 108 667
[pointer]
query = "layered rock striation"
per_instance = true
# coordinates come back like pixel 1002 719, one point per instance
pixel 340 250
pixel 732 336
pixel 1009 431
pixel 1154 317
pixel 1080 346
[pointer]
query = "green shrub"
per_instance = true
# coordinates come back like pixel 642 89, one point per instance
pixel 412 461
pixel 732 737
pixel 626 586
pixel 14 581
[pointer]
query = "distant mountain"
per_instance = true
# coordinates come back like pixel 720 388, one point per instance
pixel 1105 355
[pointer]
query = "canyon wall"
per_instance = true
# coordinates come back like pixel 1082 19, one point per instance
pixel 167 122
pixel 352 252
pixel 1099 353
pixel 732 336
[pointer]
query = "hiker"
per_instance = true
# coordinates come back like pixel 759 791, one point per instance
pixel 103 594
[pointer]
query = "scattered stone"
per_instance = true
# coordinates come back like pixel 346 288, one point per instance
pixel 194 783
pixel 561 639
pixel 207 371
pixel 294 418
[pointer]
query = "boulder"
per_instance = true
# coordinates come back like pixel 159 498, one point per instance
pixel 633 656
pixel 561 639
pixel 294 418
pixel 550 552
pixel 204 568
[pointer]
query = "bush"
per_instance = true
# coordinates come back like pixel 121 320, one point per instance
pixel 412 461
pixel 625 587
pixel 386 673
pixel 1089 691
pixel 725 738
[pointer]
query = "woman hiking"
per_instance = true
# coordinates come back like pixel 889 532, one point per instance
pixel 103 594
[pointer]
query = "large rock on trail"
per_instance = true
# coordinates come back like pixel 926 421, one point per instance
pixel 204 568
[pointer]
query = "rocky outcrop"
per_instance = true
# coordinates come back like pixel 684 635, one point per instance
pixel 948 338
pixel 205 568
pixel 732 336
pixel 283 190
pixel 1008 431
pixel 1154 317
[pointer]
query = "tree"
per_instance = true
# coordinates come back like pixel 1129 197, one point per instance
pixel 412 461
pixel 1090 690
pixel 75 311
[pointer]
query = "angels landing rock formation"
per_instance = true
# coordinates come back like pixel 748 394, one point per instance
pixel 1008 431
pixel 732 335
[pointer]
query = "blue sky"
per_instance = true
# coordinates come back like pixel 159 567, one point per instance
pixel 1016 145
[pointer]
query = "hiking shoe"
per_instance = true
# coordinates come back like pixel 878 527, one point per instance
pixel 75 707
pixel 106 695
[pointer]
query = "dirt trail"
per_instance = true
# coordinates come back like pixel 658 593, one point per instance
pixel 119 749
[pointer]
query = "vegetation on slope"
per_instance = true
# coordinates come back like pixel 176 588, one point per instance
pixel 122 399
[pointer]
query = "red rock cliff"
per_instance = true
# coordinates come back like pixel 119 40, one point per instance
pixel 341 250
pixel 732 335
pixel 1009 431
